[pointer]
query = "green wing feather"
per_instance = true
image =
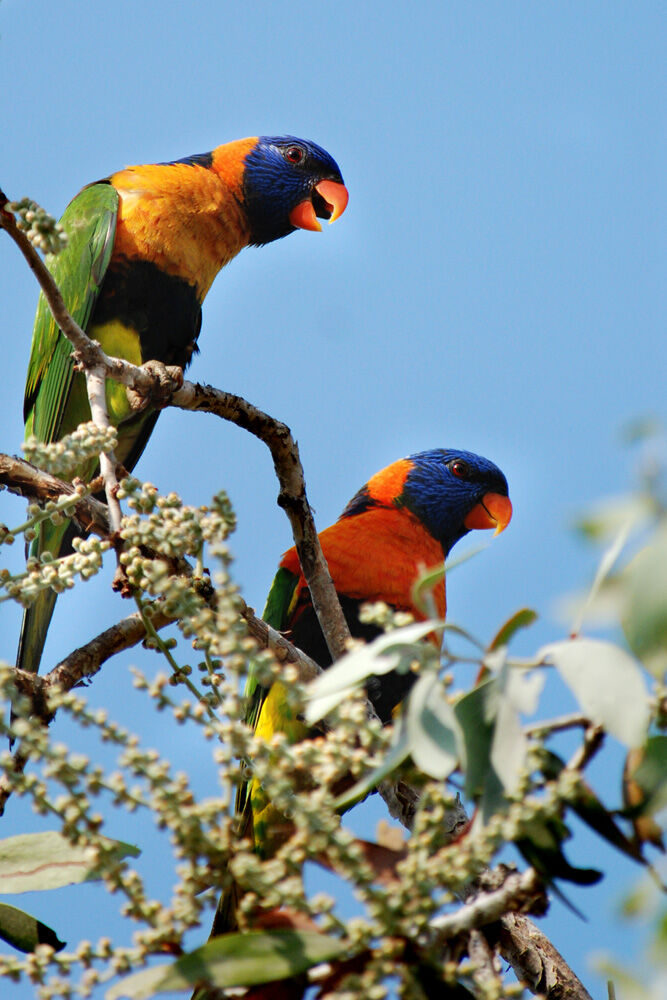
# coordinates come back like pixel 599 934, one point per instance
pixel 55 401
pixel 275 614
pixel 90 223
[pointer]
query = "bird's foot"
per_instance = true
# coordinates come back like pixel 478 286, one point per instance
pixel 167 380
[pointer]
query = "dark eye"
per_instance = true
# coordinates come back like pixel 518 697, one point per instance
pixel 294 154
pixel 460 469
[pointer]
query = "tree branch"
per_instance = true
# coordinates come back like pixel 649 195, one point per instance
pixel 536 962
pixel 26 480
pixel 96 388
pixel 292 497
pixel 519 890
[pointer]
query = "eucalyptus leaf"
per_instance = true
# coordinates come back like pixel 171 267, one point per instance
pixel 508 746
pixel 32 861
pixel 651 774
pixel 607 683
pixel 520 619
pixel 434 735
pixel 378 657
pixel 476 714
pixel 605 566
pixel 234 960
pixel 24 931
pixel 607 518
pixel 644 615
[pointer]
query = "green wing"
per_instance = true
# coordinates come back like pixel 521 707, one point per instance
pixel 55 401
pixel 276 614
pixel 90 223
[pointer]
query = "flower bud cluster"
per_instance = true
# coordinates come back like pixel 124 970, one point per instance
pixel 71 455
pixel 380 614
pixel 169 526
pixel 46 573
pixel 41 228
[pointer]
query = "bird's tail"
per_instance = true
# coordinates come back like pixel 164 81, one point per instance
pixel 36 619
pixel 35 625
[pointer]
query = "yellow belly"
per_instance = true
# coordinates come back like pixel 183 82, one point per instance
pixel 118 341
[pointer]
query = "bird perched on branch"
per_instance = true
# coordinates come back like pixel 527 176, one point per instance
pixel 144 246
pixel 405 520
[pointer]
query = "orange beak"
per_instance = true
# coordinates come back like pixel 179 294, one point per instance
pixel 493 511
pixel 335 199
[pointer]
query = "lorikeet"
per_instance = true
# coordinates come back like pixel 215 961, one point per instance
pixel 404 520
pixel 144 247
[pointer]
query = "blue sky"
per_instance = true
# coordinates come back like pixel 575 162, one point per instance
pixel 493 284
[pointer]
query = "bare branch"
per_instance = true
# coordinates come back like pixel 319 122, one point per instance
pixel 28 481
pixel 292 497
pixel 269 638
pixel 519 891
pixel 575 720
pixel 536 962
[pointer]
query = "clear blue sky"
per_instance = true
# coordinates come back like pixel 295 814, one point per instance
pixel 493 285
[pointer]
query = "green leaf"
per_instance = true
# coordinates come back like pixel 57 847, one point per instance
pixel 644 617
pixel 378 657
pixel 421 591
pixel 32 861
pixel 605 566
pixel 25 932
pixel 588 807
pixel 234 960
pixel 607 683
pixel 520 619
pixel 434 735
pixel 476 715
pixel 640 429
pixel 518 691
pixel 607 518
pixel 651 774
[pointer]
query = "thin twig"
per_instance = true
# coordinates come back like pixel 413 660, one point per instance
pixel 575 720
pixel 96 387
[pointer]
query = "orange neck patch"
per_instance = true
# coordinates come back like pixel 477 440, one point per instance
pixel 229 162
pixel 387 484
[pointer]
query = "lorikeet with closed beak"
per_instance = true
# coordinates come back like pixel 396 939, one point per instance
pixel 403 521
pixel 144 247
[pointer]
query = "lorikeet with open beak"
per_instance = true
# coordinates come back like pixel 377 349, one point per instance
pixel 403 521
pixel 144 247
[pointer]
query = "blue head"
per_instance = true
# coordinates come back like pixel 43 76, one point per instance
pixel 289 184
pixel 452 491
pixel 449 491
